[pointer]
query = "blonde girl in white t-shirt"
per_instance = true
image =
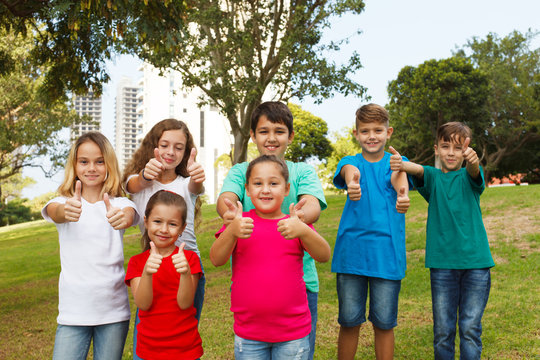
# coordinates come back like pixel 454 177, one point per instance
pixel 90 215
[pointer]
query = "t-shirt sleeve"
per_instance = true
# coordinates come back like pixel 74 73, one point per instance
pixel 220 231
pixel 477 187
pixel 310 184
pixel 194 261
pixel 59 199
pixel 235 181
pixel 135 267
pixel 339 182
pixel 122 202
pixel 127 181
pixel 425 188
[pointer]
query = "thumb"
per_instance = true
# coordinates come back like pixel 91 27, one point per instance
pixel 466 143
pixel 300 204
pixel 153 248
pixel 181 247
pixel 402 191
pixel 292 210
pixel 192 155
pixel 157 156
pixel 107 202
pixel 239 209
pixel 356 177
pixel 393 151
pixel 230 205
pixel 78 190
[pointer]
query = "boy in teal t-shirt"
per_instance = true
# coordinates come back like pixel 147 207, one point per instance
pixel 457 248
pixel 272 131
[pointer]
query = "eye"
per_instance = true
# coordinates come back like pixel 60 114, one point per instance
pixel 156 221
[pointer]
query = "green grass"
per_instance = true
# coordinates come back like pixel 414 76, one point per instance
pixel 29 267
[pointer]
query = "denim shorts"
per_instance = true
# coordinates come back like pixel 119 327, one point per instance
pixel 245 349
pixel 352 293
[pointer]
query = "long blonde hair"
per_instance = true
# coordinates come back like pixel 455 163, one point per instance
pixel 112 184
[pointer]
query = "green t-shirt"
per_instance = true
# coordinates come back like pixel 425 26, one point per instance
pixel 304 181
pixel 455 236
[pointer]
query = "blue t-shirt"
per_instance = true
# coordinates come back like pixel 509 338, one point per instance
pixel 371 235
pixel 304 181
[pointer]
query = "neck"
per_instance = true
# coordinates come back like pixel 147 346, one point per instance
pixel 167 176
pixel 269 216
pixel 166 251
pixel 91 194
pixel 376 157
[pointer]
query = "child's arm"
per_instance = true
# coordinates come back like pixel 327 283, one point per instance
pixel 141 287
pixel 70 211
pixel 473 163
pixel 196 173
pixel 152 170
pixel 241 227
pixel 401 185
pixel 397 164
pixel 310 211
pixel 314 243
pixel 351 175
pixel 118 218
pixel 188 281
pixel 226 207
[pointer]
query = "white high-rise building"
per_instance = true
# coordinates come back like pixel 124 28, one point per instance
pixel 126 131
pixel 86 105
pixel 163 97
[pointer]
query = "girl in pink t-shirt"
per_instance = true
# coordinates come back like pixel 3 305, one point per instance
pixel 163 280
pixel 268 294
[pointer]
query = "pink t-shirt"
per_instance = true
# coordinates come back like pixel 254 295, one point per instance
pixel 268 293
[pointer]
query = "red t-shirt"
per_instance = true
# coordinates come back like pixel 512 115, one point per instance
pixel 165 331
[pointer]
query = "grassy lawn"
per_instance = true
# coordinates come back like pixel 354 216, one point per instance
pixel 29 268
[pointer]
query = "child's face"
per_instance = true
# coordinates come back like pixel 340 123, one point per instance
pixel 372 137
pixel 90 167
pixel 172 146
pixel 164 225
pixel 450 153
pixel 267 188
pixel 271 138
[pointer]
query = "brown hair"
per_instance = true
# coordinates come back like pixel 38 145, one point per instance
pixel 275 112
pixel 268 158
pixel 111 185
pixel 453 130
pixel 372 113
pixel 163 197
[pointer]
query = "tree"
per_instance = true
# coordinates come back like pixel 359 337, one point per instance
pixel 74 38
pixel 238 52
pixel 15 212
pixel 12 187
pixel 509 142
pixel 438 91
pixel 309 137
pixel 29 121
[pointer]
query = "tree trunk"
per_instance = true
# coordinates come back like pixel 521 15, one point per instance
pixel 240 147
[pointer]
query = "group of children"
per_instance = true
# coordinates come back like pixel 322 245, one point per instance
pixel 268 207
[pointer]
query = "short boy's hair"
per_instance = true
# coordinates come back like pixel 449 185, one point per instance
pixel 372 113
pixel 268 158
pixel 452 130
pixel 275 112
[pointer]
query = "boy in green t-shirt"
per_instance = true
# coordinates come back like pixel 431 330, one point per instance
pixel 272 132
pixel 457 248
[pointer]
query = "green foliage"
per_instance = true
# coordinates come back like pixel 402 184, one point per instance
pixel 310 140
pixel 236 52
pixel 13 186
pixel 438 91
pixel 15 212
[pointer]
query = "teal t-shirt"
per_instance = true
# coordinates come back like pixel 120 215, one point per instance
pixel 455 236
pixel 304 181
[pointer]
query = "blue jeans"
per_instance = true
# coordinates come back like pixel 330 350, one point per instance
pixel 352 293
pixel 259 350
pixel 463 295
pixel 312 298
pixel 73 342
pixel 197 303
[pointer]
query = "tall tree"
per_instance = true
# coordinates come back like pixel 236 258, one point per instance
pixel 438 91
pixel 512 67
pixel 310 137
pixel 238 52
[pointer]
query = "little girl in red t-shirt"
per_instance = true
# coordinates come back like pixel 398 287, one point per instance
pixel 163 280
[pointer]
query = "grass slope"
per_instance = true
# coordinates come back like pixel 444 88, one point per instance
pixel 29 267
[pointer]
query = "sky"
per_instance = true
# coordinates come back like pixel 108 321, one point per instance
pixel 395 33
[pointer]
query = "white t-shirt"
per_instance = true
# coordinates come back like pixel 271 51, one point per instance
pixel 91 286
pixel 180 187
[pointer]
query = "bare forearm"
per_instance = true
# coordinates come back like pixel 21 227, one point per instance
pixel 223 247
pixel 143 293
pixel 399 181
pixel 186 290
pixel 137 183
pixel 312 209
pixel 195 188
pixel 316 245
pixel 413 169
pixel 473 170
pixel 56 212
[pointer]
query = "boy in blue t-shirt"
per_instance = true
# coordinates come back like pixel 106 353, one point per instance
pixel 272 132
pixel 370 244
pixel 457 247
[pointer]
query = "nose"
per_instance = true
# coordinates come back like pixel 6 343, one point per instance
pixel 266 188
pixel 271 136
pixel 163 228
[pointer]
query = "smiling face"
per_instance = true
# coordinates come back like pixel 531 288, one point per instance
pixel 164 224
pixel 267 188
pixel 172 147
pixel 90 166
pixel 372 138
pixel 450 153
pixel 271 138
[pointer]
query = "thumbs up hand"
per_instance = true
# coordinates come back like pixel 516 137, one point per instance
pixel 73 206
pixel 115 216
pixel 154 260
pixel 242 227
pixel 353 187
pixel 299 209
pixel 468 153
pixel 402 201
pixel 230 214
pixel 291 228
pixel 154 167
pixel 195 170
pixel 395 159
pixel 180 262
